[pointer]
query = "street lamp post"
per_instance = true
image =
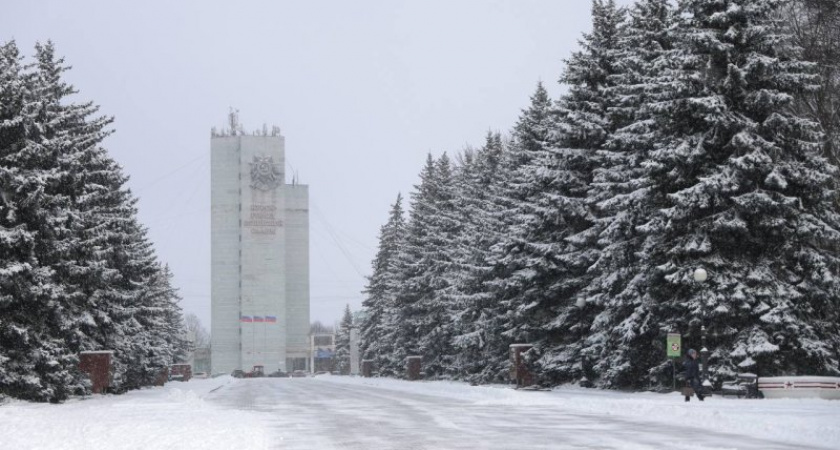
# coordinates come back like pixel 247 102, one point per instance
pixel 704 354
pixel 580 303
pixel 700 276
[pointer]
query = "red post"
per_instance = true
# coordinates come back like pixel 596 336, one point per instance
pixel 518 369
pixel 97 365
pixel 367 368
pixel 413 367
pixel 162 377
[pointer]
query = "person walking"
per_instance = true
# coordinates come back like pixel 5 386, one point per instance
pixel 692 375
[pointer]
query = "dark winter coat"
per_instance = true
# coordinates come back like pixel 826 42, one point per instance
pixel 691 368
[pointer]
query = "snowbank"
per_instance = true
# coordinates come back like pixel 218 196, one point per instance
pixel 173 416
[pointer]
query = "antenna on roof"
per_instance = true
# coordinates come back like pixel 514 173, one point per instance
pixel 233 121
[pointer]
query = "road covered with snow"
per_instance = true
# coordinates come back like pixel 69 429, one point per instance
pixel 331 412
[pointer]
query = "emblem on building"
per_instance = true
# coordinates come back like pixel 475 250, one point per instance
pixel 265 175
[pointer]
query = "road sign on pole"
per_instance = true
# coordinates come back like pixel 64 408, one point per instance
pixel 674 351
pixel 674 345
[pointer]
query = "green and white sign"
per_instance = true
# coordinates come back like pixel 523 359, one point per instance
pixel 674 345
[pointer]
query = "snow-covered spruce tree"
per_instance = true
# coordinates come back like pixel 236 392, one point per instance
pixel 433 313
pixel 530 137
pixel 379 319
pixel 116 293
pixel 476 314
pixel 84 234
pixel 34 362
pixel 422 314
pixel 588 116
pixel 747 195
pixel 400 332
pixel 815 26
pixel 455 297
pixel 142 318
pixel 553 246
pixel 508 275
pixel 158 340
pixel 171 334
pixel 65 133
pixel 411 273
pixel 511 274
pixel 624 201
pixel 342 342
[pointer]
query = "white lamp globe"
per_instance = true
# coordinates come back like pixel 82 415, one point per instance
pixel 700 274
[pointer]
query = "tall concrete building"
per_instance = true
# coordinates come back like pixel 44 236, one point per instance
pixel 260 255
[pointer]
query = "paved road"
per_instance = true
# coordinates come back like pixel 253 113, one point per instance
pixel 309 413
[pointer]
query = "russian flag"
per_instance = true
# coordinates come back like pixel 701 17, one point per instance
pixel 246 319
pixel 271 319
pixel 258 319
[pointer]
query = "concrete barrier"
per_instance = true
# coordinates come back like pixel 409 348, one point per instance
pixel 800 387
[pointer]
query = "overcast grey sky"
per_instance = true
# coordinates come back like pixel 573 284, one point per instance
pixel 362 91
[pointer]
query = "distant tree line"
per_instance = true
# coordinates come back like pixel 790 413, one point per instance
pixel 693 134
pixel 77 269
pixel 195 332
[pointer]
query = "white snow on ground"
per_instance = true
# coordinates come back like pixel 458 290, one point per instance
pixel 169 417
pixel 797 421
pixel 185 415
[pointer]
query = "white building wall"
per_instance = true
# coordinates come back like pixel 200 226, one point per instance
pixel 297 273
pixel 224 247
pixel 260 258
pixel 263 272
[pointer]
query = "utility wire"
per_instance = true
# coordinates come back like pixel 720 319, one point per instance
pixel 328 227
pixel 170 173
pixel 336 239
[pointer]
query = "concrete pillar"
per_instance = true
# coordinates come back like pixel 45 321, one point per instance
pixel 312 353
pixel 97 365
pixel 412 367
pixel 354 351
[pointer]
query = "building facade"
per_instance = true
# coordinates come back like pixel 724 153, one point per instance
pixel 260 256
